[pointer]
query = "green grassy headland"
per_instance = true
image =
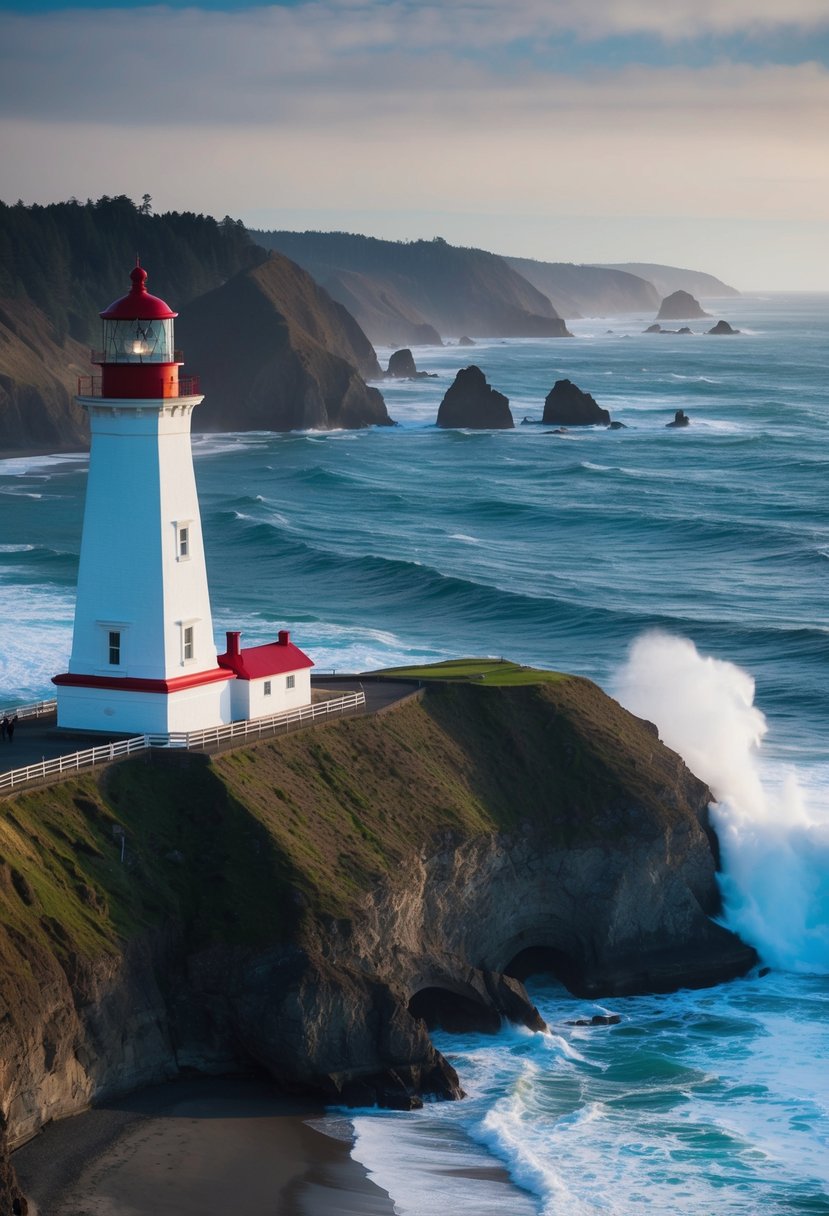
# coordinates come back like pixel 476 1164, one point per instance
pixel 500 672
pixel 257 844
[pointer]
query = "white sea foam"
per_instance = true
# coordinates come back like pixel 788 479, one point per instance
pixel 37 642
pixel 22 466
pixel 773 834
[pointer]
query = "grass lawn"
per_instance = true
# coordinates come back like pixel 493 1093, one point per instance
pixel 488 671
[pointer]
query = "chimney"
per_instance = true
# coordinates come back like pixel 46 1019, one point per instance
pixel 284 637
pixel 234 638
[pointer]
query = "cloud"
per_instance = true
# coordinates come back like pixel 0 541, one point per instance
pixel 359 105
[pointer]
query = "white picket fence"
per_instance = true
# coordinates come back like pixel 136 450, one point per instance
pixel 252 728
pixel 37 709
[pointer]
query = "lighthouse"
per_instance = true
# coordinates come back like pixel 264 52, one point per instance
pixel 143 656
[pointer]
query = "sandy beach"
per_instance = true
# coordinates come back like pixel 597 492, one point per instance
pixel 195 1147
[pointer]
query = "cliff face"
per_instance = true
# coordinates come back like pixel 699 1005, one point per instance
pixel 38 380
pixel 397 291
pixel 274 352
pixel 311 904
pixel 301 358
pixel 588 291
pixel 667 279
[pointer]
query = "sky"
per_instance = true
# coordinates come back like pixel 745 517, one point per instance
pixel 690 133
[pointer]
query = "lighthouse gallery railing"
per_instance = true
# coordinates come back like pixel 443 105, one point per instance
pixel 251 728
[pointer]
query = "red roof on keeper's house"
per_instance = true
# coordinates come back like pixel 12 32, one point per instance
pixel 258 662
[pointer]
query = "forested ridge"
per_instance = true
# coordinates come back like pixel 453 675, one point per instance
pixel 72 259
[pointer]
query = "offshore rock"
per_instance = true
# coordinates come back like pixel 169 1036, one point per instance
pixel 402 365
pixel 567 405
pixel 722 327
pixel 680 306
pixel 680 419
pixel 471 402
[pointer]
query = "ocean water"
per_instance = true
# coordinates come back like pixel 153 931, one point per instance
pixel 684 570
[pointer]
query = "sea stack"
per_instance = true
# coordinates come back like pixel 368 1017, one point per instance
pixel 471 402
pixel 722 327
pixel 567 405
pixel 680 306
pixel 402 365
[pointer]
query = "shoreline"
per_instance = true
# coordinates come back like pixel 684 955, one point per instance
pixel 189 1147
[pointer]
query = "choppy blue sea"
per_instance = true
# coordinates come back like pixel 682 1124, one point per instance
pixel 684 570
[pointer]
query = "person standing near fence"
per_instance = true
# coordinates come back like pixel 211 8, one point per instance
pixel 4 726
pixel 10 725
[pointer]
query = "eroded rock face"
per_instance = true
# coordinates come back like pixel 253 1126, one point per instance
pixel 274 352
pixel 606 874
pixel 567 405
pixel 471 402
pixel 722 327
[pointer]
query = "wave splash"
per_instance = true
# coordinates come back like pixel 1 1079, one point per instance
pixel 774 836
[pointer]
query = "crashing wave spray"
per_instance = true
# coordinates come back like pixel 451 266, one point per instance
pixel 775 846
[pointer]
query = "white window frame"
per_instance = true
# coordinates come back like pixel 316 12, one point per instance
pixel 266 688
pixel 184 539
pixel 107 628
pixel 184 626
pixel 290 682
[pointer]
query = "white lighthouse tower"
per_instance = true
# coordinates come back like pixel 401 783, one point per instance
pixel 143 655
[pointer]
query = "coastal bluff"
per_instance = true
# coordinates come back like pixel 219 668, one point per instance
pixel 309 906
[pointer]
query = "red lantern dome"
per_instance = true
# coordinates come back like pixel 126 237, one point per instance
pixel 138 303
pixel 138 357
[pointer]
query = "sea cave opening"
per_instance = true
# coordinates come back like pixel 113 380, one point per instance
pixel 547 962
pixel 441 1009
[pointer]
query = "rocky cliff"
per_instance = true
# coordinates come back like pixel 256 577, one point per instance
pixel 406 293
pixel 588 291
pixel 305 357
pixel 310 905
pixel 274 352
pixel 667 279
pixel 38 380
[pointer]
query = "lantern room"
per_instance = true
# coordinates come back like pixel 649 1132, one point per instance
pixel 138 357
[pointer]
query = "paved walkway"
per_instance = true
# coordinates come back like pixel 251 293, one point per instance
pixel 37 739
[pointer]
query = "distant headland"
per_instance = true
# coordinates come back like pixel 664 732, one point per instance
pixel 279 325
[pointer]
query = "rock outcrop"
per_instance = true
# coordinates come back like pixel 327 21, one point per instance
pixel 722 327
pixel 680 306
pixel 402 367
pixel 298 358
pixel 465 340
pixel 680 419
pixel 471 402
pixel 535 827
pixel 567 405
